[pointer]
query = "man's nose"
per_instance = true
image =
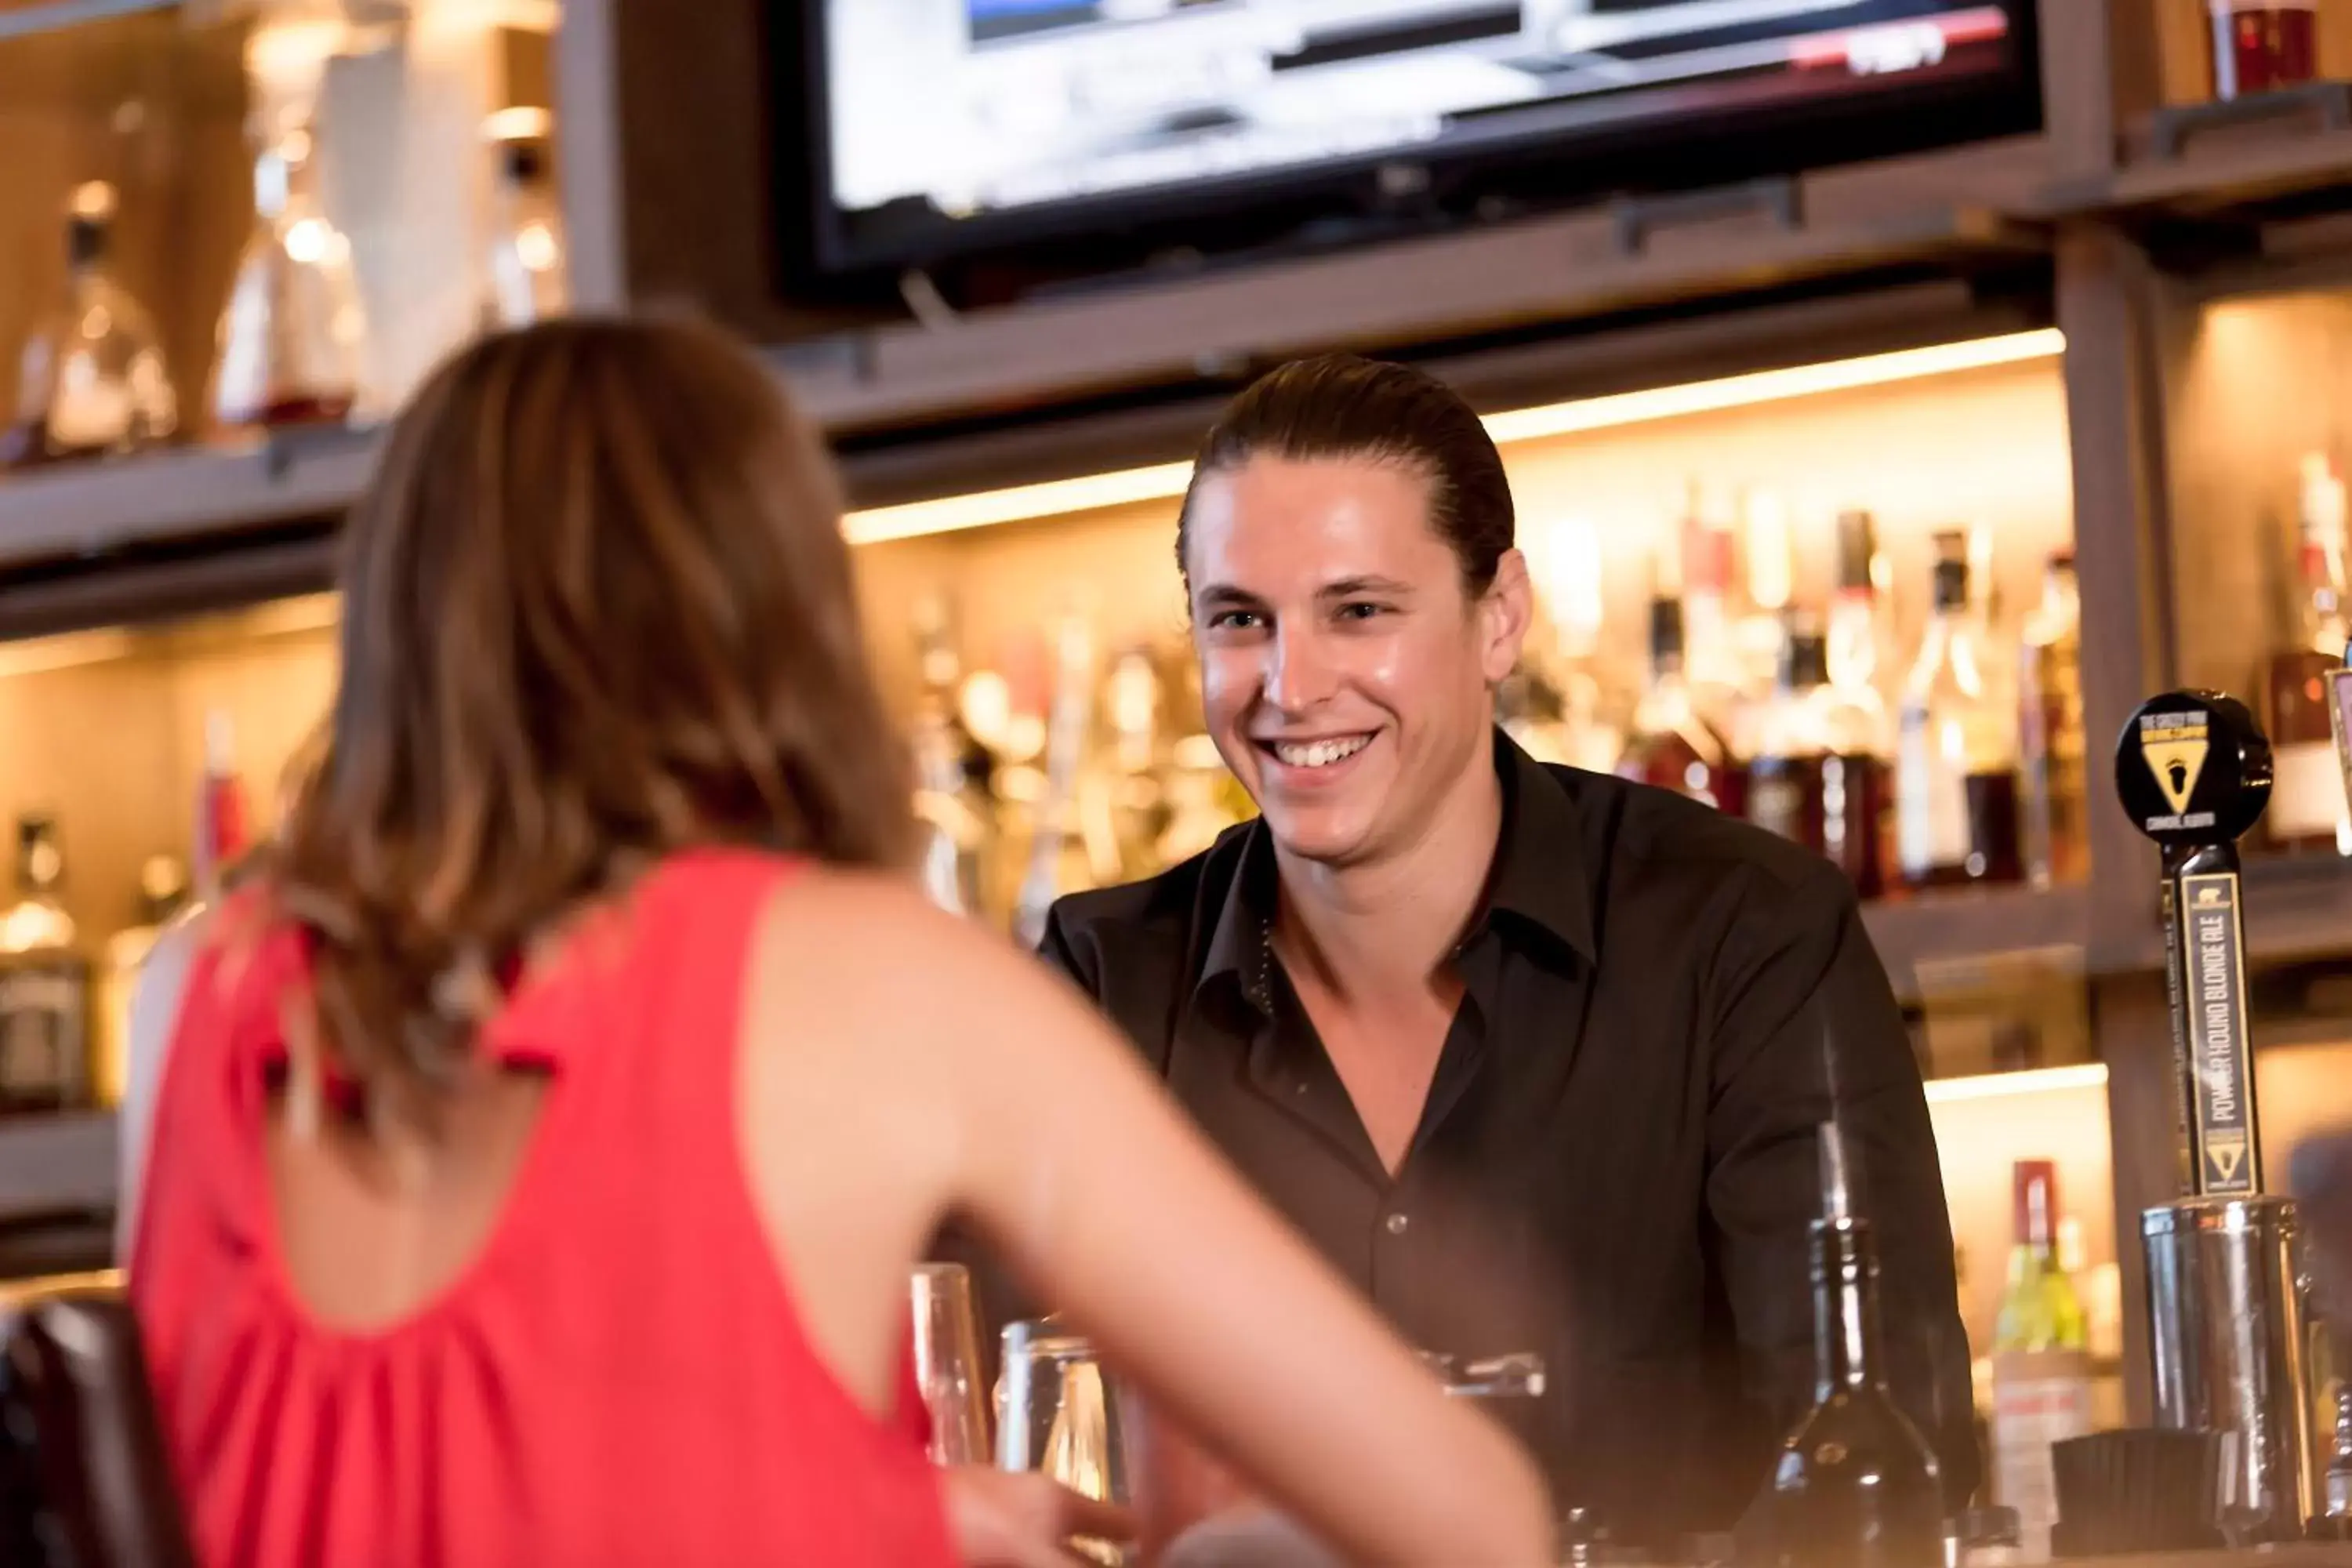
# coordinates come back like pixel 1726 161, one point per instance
pixel 1300 672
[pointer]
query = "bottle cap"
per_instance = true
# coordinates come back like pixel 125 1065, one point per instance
pixel 2192 768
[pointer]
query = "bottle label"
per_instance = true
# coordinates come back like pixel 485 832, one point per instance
pixel 2308 799
pixel 1931 796
pixel 2040 1399
pixel 42 1010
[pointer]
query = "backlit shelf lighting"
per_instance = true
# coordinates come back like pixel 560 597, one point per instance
pixel 1166 481
pixel 2002 1085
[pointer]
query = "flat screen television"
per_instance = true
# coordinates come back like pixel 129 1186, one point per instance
pixel 940 128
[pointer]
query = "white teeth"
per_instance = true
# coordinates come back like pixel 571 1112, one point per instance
pixel 1320 753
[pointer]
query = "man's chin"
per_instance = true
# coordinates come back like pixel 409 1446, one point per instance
pixel 1333 845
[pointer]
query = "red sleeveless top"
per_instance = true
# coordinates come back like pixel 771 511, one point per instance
pixel 618 1377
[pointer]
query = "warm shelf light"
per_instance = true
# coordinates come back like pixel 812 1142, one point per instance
pixel 2001 1085
pixel 1166 481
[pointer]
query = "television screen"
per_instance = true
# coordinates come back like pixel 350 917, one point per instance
pixel 947 124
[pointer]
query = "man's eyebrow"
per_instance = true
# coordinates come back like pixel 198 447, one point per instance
pixel 1369 583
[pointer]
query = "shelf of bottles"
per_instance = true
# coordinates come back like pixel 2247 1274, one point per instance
pixel 1846 613
pixel 241 235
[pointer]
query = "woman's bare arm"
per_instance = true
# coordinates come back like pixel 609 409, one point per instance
pixel 985 1073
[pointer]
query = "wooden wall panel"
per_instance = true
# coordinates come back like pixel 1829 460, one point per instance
pixel 106 731
pixel 2260 383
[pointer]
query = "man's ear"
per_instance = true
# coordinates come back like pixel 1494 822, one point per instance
pixel 1504 614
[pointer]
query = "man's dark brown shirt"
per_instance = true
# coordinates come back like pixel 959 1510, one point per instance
pixel 1617 1163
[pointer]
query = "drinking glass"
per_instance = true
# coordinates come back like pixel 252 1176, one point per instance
pixel 947 1363
pixel 1057 1411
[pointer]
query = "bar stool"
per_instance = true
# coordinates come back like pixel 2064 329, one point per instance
pixel 85 1481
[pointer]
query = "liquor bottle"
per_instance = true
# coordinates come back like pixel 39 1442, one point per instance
pixel 1819 777
pixel 2050 710
pixel 2042 1366
pixel 162 893
pixel 291 336
pixel 952 771
pixel 1135 766
pixel 223 828
pixel 1956 762
pixel 1670 745
pixel 1720 692
pixel 1857 619
pixel 44 984
pixel 91 379
pixel 1767 559
pixel 2308 802
pixel 2335 1483
pixel 1856 1486
pixel 1061 859
pixel 1784 777
pixel 528 280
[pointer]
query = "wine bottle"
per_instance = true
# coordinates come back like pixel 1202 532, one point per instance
pixel 2041 1364
pixel 1856 1485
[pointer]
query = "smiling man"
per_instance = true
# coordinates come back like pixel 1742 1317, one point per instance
pixel 1535 1056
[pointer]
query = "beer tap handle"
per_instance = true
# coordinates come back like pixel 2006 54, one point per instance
pixel 2193 771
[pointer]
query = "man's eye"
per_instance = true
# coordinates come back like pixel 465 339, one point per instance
pixel 1361 610
pixel 1233 620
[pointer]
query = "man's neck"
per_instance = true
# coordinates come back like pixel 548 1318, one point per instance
pixel 1387 927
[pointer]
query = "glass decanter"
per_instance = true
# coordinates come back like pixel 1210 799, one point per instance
pixel 294 332
pixel 91 381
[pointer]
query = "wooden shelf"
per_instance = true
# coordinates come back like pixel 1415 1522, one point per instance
pixel 83 510
pixel 1507 277
pixel 57 15
pixel 58 1163
pixel 2296 907
pixel 1946 935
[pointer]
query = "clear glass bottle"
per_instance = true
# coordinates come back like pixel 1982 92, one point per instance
pixel 45 983
pixel 2041 1364
pixel 1061 858
pixel 1858 630
pixel 292 336
pixel 162 892
pixel 1856 1485
pixel 2307 809
pixel 1956 759
pixel 2055 761
pixel 2336 1482
pixel 91 381
pixel 529 279
pixel 952 771
pixel 1718 688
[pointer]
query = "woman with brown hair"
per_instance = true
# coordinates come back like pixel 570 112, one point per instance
pixel 549 1126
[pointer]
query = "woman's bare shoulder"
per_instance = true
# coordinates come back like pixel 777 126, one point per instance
pixel 868 929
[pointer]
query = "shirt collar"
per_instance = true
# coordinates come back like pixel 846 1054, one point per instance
pixel 1537 879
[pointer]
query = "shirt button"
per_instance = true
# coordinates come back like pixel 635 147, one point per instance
pixel 1396 1224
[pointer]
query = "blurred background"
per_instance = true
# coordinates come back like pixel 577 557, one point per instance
pixel 1896 393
